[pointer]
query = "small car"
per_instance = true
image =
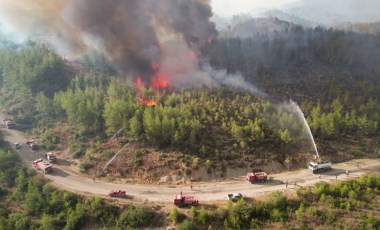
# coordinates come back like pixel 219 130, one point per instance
pixel 236 196
pixel 16 145
pixel 117 193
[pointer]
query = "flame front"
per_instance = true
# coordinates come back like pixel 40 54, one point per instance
pixel 158 82
pixel 147 102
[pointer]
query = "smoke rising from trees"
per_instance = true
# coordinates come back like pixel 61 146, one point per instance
pixel 134 35
pixel 130 32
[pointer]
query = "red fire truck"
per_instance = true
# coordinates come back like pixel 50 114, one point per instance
pixel 42 165
pixel 257 177
pixel 183 200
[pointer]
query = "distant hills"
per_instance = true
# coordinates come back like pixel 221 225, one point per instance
pixel 245 25
pixel 290 18
pixel 368 28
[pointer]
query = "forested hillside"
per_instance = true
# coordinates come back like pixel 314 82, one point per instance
pixel 319 63
pixel 335 81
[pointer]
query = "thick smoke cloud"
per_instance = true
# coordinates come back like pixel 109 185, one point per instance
pixel 40 20
pixel 129 32
pixel 133 34
pixel 123 28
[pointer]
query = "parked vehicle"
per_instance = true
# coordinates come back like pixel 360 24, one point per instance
pixel 50 156
pixel 117 193
pixel 320 166
pixel 42 165
pixel 16 145
pixel 183 200
pixel 8 123
pixel 32 144
pixel 236 196
pixel 257 177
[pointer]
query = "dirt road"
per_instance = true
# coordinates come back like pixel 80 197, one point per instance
pixel 64 178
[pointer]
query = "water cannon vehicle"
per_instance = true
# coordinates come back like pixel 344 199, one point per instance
pixel 320 166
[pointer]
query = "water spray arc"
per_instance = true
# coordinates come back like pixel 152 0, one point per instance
pixel 306 125
pixel 318 166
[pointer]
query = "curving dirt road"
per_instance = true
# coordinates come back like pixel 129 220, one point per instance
pixel 64 178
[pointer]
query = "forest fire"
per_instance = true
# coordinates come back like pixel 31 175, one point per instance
pixel 158 82
pixel 147 102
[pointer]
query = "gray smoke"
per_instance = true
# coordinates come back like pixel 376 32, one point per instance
pixel 133 34
pixel 129 32
pixel 331 13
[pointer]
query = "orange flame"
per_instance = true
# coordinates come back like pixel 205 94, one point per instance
pixel 147 102
pixel 158 80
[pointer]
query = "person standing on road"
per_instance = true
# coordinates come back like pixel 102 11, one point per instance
pixel 286 186
pixel 347 172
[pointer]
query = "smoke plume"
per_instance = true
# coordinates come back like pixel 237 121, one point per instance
pixel 129 32
pixel 137 36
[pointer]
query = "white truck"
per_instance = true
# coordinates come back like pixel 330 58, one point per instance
pixel 50 156
pixel 8 123
pixel 235 196
pixel 320 166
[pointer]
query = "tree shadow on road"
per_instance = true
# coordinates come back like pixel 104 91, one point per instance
pixel 58 172
pixel 63 162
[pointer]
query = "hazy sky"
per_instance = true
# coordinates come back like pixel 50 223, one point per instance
pixel 326 12
pixel 231 7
